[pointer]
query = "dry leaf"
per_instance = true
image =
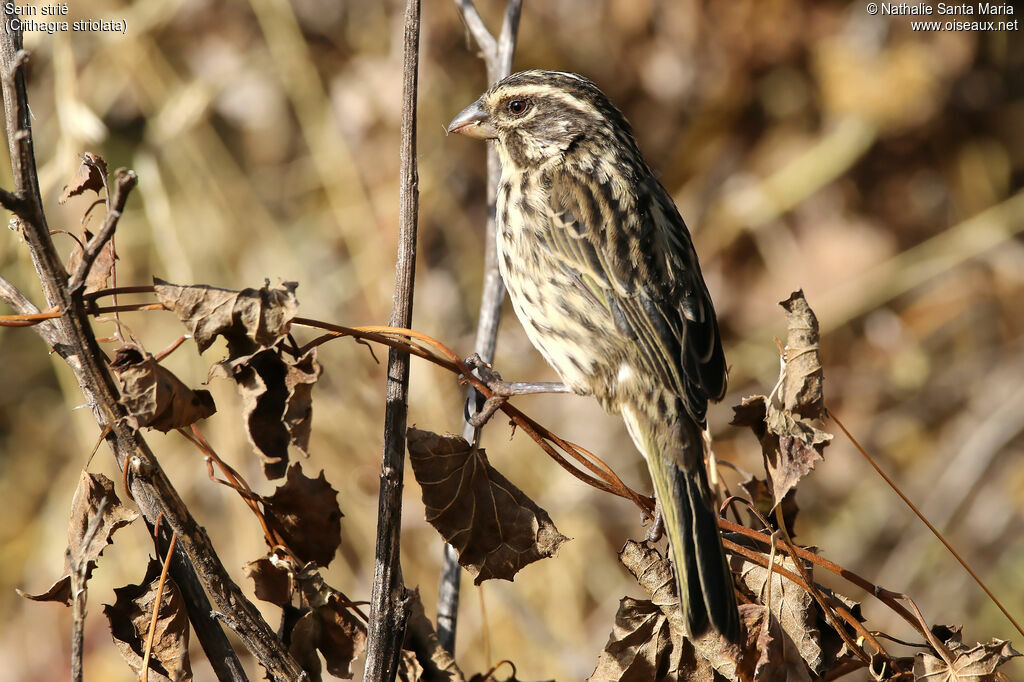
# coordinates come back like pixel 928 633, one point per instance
pixel 973 664
pixel 640 646
pixel 90 175
pixel 248 319
pixel 317 618
pixel 304 511
pixel 101 268
pixel 85 544
pixel 423 657
pixel 277 395
pixel 153 396
pixel 792 607
pixel 788 423
pixel 130 618
pixel 271 582
pixel 495 528
pixel 769 654
pixel 328 627
pixel 760 494
pixel 276 388
pixel 693 658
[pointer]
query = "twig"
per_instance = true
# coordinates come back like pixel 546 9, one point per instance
pixel 389 606
pixel 12 202
pixel 156 608
pixel 79 591
pixel 497 56
pixel 10 295
pixel 77 345
pixel 126 181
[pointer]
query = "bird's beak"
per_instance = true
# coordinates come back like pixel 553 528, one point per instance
pixel 473 121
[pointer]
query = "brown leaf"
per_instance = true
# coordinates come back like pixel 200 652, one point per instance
pixel 495 528
pixel 793 609
pixel 974 664
pixel 276 388
pixel 769 653
pixel 693 658
pixel 304 511
pixel 802 390
pixel 328 627
pixel 639 647
pixel 153 396
pixel 248 319
pixel 130 618
pixel 271 582
pixel 761 497
pixel 277 395
pixel 90 175
pixel 101 268
pixel 788 423
pixel 88 534
pixel 423 657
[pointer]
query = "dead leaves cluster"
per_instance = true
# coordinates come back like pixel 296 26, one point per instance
pixel 275 385
pixel 495 527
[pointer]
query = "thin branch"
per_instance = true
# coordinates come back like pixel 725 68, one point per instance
pixel 126 181
pixel 481 36
pixel 156 608
pixel 497 56
pixel 12 202
pixel 79 591
pixel 389 606
pixel 13 297
pixel 77 345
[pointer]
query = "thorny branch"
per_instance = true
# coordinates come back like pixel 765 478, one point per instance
pixel 497 56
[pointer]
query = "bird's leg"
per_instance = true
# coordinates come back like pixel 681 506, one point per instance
pixel 657 528
pixel 503 390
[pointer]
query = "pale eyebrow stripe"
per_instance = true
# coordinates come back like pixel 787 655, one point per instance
pixel 550 92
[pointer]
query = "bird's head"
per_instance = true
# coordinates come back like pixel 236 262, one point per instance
pixel 539 116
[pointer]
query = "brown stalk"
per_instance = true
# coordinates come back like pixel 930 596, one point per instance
pixel 389 601
pixel 144 675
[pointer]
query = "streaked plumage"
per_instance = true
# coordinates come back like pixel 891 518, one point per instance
pixel 602 274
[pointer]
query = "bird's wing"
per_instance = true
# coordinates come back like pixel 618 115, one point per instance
pixel 633 254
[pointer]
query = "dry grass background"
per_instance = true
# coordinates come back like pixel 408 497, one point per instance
pixel 806 143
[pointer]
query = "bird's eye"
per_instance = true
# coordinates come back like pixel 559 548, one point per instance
pixel 518 107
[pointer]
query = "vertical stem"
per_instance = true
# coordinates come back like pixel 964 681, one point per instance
pixel 498 59
pixel 389 603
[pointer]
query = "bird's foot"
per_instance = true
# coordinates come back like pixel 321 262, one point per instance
pixel 506 389
pixel 502 390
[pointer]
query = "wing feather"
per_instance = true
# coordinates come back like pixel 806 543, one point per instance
pixel 634 256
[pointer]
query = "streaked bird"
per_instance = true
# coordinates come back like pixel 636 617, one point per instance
pixel 603 275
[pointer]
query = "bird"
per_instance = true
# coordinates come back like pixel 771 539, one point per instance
pixel 603 275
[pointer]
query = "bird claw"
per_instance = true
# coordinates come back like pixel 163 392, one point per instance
pixel 491 405
pixel 657 529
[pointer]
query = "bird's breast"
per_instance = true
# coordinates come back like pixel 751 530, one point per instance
pixel 574 333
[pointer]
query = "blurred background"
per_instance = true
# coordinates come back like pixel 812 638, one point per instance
pixel 807 144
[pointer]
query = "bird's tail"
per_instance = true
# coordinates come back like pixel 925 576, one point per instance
pixel 675 457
